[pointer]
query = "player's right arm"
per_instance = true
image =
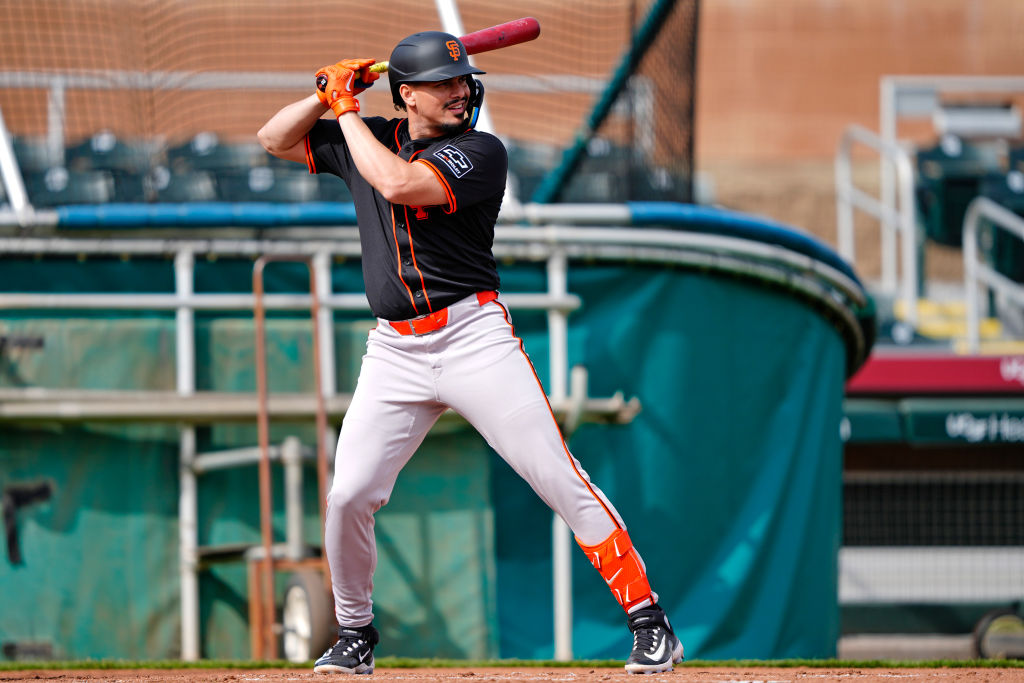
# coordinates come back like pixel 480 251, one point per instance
pixel 285 133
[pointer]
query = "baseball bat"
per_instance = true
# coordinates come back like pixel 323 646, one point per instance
pixel 493 38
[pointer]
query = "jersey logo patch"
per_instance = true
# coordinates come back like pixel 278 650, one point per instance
pixel 455 160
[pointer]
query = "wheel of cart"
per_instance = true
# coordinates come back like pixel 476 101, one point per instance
pixel 999 634
pixel 307 616
pixel 307 625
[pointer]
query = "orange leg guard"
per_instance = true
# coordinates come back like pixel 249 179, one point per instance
pixel 622 569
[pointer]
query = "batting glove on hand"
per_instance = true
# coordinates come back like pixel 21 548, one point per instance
pixel 338 84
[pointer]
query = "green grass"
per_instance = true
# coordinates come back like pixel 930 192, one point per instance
pixel 411 663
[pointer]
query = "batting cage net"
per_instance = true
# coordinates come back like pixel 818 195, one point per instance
pixel 160 100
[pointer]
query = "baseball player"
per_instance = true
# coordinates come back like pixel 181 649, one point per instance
pixel 427 188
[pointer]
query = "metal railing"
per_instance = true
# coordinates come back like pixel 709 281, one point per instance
pixel 554 245
pixel 892 221
pixel 557 302
pixel 978 272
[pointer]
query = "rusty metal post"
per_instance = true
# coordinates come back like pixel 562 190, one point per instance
pixel 266 601
pixel 266 607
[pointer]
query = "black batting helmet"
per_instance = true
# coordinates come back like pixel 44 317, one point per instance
pixel 426 57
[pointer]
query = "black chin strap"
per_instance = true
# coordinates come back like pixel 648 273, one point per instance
pixel 476 100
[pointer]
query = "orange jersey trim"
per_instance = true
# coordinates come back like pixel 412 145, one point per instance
pixel 398 260
pixel 412 253
pixel 449 195
pixel 565 449
pixel 310 164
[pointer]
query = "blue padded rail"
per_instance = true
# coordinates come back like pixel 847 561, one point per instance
pixel 734 224
pixel 205 214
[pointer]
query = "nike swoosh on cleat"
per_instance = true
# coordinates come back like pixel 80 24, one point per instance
pixel 660 652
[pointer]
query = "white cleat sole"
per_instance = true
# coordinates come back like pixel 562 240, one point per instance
pixel 677 656
pixel 333 669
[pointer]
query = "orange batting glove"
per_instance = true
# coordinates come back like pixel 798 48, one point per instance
pixel 338 84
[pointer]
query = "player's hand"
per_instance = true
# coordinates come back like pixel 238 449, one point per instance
pixel 338 84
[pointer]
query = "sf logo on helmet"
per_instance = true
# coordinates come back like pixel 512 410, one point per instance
pixel 453 49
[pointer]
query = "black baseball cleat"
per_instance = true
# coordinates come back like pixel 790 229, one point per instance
pixel 655 646
pixel 352 654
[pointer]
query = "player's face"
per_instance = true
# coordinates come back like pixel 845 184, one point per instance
pixel 441 105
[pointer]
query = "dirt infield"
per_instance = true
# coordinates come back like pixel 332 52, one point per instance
pixel 695 674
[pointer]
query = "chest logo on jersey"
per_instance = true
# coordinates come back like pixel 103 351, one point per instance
pixel 455 160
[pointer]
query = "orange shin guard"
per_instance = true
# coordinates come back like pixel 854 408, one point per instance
pixel 621 567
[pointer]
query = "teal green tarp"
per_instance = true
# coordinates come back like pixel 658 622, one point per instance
pixel 729 481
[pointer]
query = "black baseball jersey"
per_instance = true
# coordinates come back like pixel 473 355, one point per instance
pixel 419 259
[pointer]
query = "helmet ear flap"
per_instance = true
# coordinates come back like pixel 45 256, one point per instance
pixel 476 99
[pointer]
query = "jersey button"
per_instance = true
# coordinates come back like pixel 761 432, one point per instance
pixel 419 293
pixel 407 262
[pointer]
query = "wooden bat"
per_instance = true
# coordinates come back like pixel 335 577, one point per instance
pixel 493 38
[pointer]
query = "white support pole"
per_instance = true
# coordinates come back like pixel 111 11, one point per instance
pixel 887 185
pixel 55 108
pixel 325 323
pixel 561 555
pixel 558 326
pixel 561 536
pixel 325 330
pixel 184 328
pixel 291 461
pixel 10 175
pixel 451 22
pixel 188 545
pixel 188 533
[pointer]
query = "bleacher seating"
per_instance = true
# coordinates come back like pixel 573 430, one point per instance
pixel 267 184
pixel 187 186
pixel 207 152
pixel 950 175
pixel 57 186
pixel 127 161
pixel 34 154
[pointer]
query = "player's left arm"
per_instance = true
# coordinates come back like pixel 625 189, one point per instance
pixel 398 182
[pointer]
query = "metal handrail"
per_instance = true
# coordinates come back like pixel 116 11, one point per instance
pixel 901 221
pixel 976 271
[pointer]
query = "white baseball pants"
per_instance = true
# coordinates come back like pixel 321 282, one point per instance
pixel 476 366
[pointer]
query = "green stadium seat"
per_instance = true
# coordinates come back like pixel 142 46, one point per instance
pixel 34 154
pixel 58 186
pixel 267 184
pixel 104 151
pixel 949 178
pixel 207 152
pixel 163 185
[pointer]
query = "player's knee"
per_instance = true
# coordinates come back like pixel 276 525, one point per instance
pixel 348 498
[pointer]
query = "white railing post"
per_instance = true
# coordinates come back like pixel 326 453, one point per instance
pixel 188 514
pixel 970 256
pixel 977 273
pixel 887 128
pixel 891 221
pixel 844 203
pixel 908 230
pixel 561 535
